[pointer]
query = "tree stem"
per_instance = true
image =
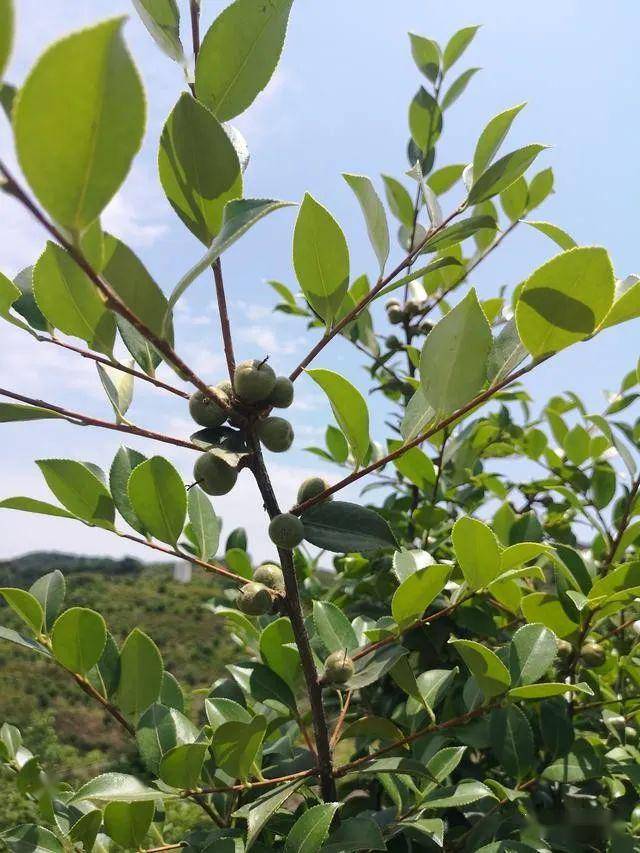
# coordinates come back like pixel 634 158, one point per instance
pixel 224 319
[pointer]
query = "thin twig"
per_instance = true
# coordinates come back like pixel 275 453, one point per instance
pixel 194 8
pixel 335 736
pixel 90 690
pixel 224 319
pixel 85 420
pixel 624 523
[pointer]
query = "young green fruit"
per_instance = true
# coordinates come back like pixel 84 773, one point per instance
pixel 395 315
pixel 393 343
pixel 282 395
pixel 253 380
pixel 592 655
pixel 311 487
pixel 412 307
pixel 338 667
pixel 254 599
pixel 564 648
pixel 205 410
pixel 286 530
pixel 271 576
pixel 391 303
pixel 213 474
pixel 276 434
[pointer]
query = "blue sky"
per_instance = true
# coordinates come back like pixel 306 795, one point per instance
pixel 338 102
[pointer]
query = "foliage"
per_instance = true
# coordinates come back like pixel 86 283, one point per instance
pixel 466 673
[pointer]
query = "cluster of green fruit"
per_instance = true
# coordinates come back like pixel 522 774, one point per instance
pixel 255 388
pixel 407 315
pixel 260 596
pixel 287 530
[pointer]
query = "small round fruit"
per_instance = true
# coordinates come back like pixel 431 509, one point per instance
pixel 213 474
pixel 391 303
pixel 395 315
pixel 564 648
pixel 286 530
pixel 338 667
pixel 311 487
pixel 276 434
pixel 271 576
pixel 592 655
pixel 393 343
pixel 412 307
pixel 254 599
pixel 205 410
pixel 253 380
pixel 282 395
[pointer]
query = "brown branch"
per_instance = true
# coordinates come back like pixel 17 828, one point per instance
pixel 298 509
pixel 224 319
pixel 194 9
pixel 371 295
pixel 90 690
pixel 294 611
pixel 164 847
pixel 335 736
pixel 250 786
pixel 109 362
pixel 85 420
pixel 112 299
pixel 624 523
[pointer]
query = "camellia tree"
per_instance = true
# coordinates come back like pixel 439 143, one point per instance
pixel 466 675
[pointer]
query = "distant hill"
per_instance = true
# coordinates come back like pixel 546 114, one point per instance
pixel 30 566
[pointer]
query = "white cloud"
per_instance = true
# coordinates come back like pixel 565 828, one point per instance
pixel 264 339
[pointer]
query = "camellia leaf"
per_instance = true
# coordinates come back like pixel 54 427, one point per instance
pixel 162 19
pixel 344 527
pixel 181 766
pixel 50 591
pixel 13 412
pixel 460 795
pixel 160 729
pixel 118 386
pixel 399 200
pixel 115 787
pixel 349 408
pixel 507 352
pixel 320 258
pixel 86 828
pixel 238 217
pixel 79 490
pixel 547 609
pixel 278 650
pixel 258 812
pixel 416 593
pixel 26 606
pixel 30 838
pixel 333 627
pixel 70 301
pixel 122 466
pixel 262 684
pixel 503 173
pixel 310 830
pixel 128 823
pixel 78 639
pixel 199 167
pixel 454 357
pixel 459 231
pixel 25 504
pixel 374 215
pixel 426 55
pixel 548 689
pixel 6 33
pixel 457 45
pixel 425 120
pixel 565 300
pixel 205 524
pixel 457 87
pixel 580 764
pixel 486 667
pixel 140 673
pixel 353 834
pixel 512 740
pixel 477 550
pixel 159 498
pixel 10 293
pixel 560 237
pixel 78 122
pixel 236 746
pixel 492 138
pixel 239 55
pixel 626 305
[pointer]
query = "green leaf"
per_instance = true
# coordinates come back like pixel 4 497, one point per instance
pixel 546 608
pixel 345 527
pixel 14 412
pixel 374 728
pixel 349 408
pixel 626 305
pixel 461 795
pixel 115 787
pixel 426 55
pixel 425 120
pixel 79 490
pixel 26 304
pixel 220 710
pixel 162 19
pixel 579 765
pixel 565 300
pixel 32 505
pixel 118 386
pixel 239 55
pixel 459 231
pixel 29 838
pixel 277 648
pixel 86 828
pixel 171 693
pixel 199 167
pixel 454 357
pixel 26 606
pixel 492 138
pixel 159 498
pixel 310 830
pixel 140 673
pixel 6 33
pixel 477 551
pixel 507 352
pixel 416 593
pixel 512 741
pixel 333 627
pixel 540 187
pixel 84 97
pixel 50 591
pixel 259 812
pixel 374 215
pixel 560 237
pixel 205 524
pixel 503 173
pixel 442 180
pixel 399 200
pixel 353 834
pixel 431 828
pixel 159 730
pixel 457 45
pixel 548 689
pixel 128 823
pixel 514 199
pixel 70 301
pixel 78 639
pixel 414 464
pixel 457 87
pixel 236 746
pixel 320 258
pixel 418 414
pixel 238 217
pixel 487 668
pixel 532 651
pixel 181 766
pixel 122 466
pixel 262 684
pixel 9 293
